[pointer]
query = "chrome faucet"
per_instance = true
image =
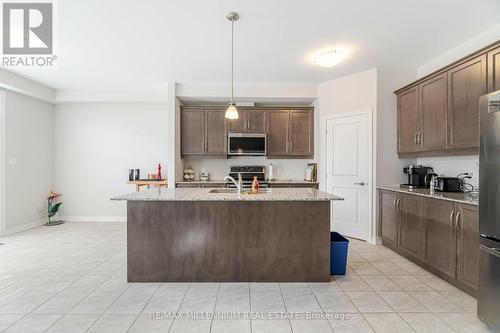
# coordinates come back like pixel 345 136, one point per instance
pixel 238 184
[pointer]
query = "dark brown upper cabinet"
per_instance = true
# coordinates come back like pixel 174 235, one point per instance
pixel 444 119
pixel 408 121
pixel 290 133
pixel 203 132
pixel 251 121
pixel 432 111
pixel 494 70
pixel 193 132
pixel 278 124
pixel 215 132
pixel 466 83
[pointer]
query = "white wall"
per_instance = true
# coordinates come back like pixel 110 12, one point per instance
pixel 454 165
pixel 347 94
pixel 389 167
pixel 95 146
pixel 29 160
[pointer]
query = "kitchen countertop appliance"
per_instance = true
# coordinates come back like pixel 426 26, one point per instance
pixel 488 307
pixel 447 184
pixel 246 144
pixel 416 176
pixel 247 174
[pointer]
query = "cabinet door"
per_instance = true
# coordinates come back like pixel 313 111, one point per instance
pixel 255 121
pixel 408 121
pixel 494 70
pixel 215 133
pixel 440 240
pixel 433 99
pixel 467 222
pixel 411 235
pixel 277 133
pixel 237 125
pixel 301 134
pixel 193 132
pixel 388 218
pixel 466 83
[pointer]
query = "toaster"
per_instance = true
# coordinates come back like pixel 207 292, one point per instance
pixel 448 184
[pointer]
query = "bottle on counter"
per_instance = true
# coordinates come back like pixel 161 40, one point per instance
pixel 255 185
pixel 270 172
pixel 159 172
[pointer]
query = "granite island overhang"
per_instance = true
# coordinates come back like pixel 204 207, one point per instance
pixel 194 235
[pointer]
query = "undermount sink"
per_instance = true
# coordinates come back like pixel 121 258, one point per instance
pixel 233 190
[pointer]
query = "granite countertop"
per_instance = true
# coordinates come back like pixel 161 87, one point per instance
pixel 465 198
pixel 203 194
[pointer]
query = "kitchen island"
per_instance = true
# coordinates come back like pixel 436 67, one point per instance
pixel 206 235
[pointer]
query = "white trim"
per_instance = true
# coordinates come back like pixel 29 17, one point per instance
pixel 94 218
pixel 25 226
pixel 371 165
pixel 3 137
pixel 19 84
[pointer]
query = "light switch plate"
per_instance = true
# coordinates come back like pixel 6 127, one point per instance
pixel 12 161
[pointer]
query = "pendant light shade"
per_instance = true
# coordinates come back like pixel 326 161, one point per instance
pixel 232 112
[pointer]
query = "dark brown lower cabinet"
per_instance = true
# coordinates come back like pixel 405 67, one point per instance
pixel 440 240
pixel 467 224
pixel 439 235
pixel 411 237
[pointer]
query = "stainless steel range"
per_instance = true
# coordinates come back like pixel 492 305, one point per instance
pixel 247 174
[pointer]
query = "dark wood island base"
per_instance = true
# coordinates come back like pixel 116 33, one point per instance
pixel 228 241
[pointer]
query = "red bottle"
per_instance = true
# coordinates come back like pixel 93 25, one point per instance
pixel 159 171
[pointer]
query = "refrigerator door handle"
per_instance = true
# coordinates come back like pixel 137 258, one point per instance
pixel 491 250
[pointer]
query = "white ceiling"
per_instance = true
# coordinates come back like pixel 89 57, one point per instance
pixel 125 44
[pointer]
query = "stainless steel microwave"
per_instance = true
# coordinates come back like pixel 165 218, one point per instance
pixel 249 144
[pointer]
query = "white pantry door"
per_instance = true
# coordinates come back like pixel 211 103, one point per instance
pixel 347 173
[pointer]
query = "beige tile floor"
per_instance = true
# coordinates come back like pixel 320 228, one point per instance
pixel 72 278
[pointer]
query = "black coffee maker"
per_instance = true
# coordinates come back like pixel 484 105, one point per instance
pixel 416 176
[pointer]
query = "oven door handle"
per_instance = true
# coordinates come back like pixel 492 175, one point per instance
pixel 491 250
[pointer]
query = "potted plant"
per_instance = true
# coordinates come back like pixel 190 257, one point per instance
pixel 53 208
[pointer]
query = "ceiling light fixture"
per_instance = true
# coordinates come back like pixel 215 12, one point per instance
pixel 232 112
pixel 329 58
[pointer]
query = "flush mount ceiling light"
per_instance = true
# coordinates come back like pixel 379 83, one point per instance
pixel 232 112
pixel 329 58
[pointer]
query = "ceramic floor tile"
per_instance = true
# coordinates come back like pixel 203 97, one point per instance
pixel 311 326
pixel 233 299
pixel 271 326
pixel 435 302
pixel 230 326
pixel 368 301
pixel 387 323
pixel 33 323
pixel 352 283
pixel 133 300
pixel 73 324
pixel 112 324
pixel 335 302
pixel 380 282
pixel 149 324
pixel 350 323
pixel 464 322
pixel 364 268
pixel 401 301
pixel 271 301
pixel 300 300
pixel 190 326
pixel 8 320
pixel 168 298
pixel 409 283
pixel 426 323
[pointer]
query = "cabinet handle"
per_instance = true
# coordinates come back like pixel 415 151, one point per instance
pixel 291 146
pixel 420 138
pixel 458 222
pixel 398 205
pixel 394 204
pixel 415 137
pixel 452 221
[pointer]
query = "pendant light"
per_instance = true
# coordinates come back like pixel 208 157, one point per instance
pixel 232 112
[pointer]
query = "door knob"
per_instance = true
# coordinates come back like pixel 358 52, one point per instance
pixel 360 183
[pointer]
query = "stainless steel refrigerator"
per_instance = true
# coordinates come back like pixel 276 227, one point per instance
pixel 488 308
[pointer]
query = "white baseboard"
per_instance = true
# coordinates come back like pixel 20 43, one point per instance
pixel 94 218
pixel 25 226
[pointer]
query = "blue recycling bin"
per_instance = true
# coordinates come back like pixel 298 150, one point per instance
pixel 338 253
